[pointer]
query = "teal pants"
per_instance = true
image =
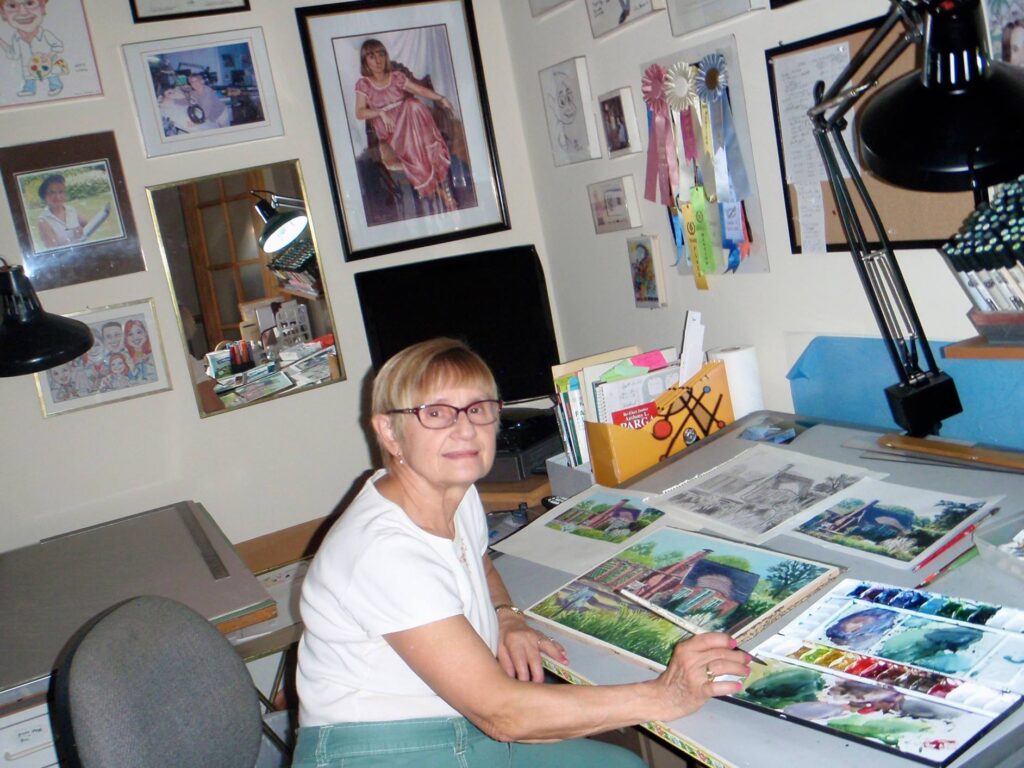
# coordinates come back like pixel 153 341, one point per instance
pixel 444 743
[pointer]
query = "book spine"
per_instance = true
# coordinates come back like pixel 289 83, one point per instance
pixel 576 407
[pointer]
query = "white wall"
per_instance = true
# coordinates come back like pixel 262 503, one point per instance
pixel 276 464
pixel 264 467
pixel 778 312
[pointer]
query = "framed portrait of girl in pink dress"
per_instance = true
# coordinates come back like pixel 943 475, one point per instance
pixel 403 115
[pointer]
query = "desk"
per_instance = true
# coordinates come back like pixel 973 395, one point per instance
pixel 734 736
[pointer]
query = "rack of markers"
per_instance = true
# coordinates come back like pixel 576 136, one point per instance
pixel 987 255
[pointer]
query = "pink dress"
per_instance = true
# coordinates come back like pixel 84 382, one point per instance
pixel 415 141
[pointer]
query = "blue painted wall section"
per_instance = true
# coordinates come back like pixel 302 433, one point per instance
pixel 845 379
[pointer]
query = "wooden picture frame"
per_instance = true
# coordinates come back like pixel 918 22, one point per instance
pixel 203 91
pixel 53 59
pixel 161 10
pixel 913 219
pixel 71 210
pixel 433 179
pixel 126 361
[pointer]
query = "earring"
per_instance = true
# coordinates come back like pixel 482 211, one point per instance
pixel 401 459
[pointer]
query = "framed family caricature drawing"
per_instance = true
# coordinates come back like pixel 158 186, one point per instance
pixel 71 210
pixel 406 129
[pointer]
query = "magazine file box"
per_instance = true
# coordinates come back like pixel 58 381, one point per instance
pixel 686 414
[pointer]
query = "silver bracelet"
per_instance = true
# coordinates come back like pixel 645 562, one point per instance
pixel 510 607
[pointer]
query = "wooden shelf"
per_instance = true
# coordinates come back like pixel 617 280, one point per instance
pixel 978 348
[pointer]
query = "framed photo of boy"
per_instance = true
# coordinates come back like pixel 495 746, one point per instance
pixel 126 360
pixel 160 10
pixel 45 52
pixel 71 210
pixel 203 91
pixel 618 122
pixel 403 115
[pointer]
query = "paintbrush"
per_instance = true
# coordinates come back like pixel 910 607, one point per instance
pixel 679 621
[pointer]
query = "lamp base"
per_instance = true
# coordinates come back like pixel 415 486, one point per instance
pixel 920 408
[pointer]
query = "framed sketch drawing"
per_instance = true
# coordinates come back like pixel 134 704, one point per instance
pixel 203 91
pixel 71 210
pixel 46 52
pixel 565 89
pixel 618 122
pixel 608 15
pixel 126 360
pixel 614 205
pixel 537 7
pixel 402 107
pixel 161 10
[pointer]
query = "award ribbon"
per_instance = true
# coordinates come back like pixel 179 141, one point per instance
pixel 662 172
pixel 686 209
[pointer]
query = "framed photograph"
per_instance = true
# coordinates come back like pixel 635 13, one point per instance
pixel 406 129
pixel 614 205
pixel 160 10
pixel 126 360
pixel 46 52
pixel 572 126
pixel 618 122
pixel 537 7
pixel 1006 30
pixel 608 15
pixel 203 91
pixel 71 210
pixel 646 271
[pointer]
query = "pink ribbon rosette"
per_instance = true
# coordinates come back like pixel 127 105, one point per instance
pixel 662 172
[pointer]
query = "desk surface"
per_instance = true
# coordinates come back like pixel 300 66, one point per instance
pixel 748 739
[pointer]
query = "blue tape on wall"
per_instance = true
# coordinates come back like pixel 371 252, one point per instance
pixel 844 379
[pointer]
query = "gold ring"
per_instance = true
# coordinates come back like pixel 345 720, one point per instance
pixel 708 674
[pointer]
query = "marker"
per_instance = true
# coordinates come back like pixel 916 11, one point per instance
pixel 679 621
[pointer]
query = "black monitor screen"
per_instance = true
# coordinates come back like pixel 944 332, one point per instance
pixel 495 301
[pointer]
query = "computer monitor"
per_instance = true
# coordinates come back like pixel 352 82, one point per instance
pixel 495 301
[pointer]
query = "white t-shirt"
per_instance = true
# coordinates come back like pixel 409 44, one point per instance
pixel 377 572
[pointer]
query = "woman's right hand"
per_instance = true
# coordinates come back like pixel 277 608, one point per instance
pixel 387 119
pixel 689 680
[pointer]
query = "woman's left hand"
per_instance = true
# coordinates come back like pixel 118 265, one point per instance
pixel 520 647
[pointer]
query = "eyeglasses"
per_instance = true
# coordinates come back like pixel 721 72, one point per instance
pixel 442 416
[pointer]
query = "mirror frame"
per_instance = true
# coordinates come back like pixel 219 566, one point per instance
pixel 338 373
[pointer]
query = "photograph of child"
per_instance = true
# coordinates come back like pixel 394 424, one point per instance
pixel 614 122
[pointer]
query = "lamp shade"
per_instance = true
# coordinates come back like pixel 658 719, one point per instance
pixel 32 340
pixel 282 229
pixel 954 123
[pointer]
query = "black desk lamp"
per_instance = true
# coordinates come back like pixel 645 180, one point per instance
pixel 952 124
pixel 32 340
pixel 280 227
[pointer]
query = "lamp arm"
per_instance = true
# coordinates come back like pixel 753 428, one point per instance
pixel 280 201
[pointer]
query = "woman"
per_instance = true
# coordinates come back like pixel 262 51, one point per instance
pixel 59 224
pixel 387 98
pixel 412 653
pixel 140 352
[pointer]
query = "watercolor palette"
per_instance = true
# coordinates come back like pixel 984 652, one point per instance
pixel 917 673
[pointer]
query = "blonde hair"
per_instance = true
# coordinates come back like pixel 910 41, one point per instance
pixel 404 380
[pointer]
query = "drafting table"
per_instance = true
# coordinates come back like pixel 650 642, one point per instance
pixel 731 735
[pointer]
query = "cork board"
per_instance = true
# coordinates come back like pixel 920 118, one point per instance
pixel 912 219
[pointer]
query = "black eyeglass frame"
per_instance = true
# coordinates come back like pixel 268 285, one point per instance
pixel 418 412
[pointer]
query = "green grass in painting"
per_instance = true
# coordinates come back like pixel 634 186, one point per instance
pixel 638 632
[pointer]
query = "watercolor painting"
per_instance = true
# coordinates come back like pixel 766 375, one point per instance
pixel 759 490
pixel 918 673
pixel 605 516
pixel 674 574
pixel 895 523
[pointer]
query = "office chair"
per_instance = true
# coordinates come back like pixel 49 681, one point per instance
pixel 150 683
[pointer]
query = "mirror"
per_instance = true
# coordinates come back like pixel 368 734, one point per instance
pixel 256 325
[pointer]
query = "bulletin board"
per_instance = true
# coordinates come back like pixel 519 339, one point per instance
pixel 912 219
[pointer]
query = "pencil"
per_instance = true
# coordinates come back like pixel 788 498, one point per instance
pixel 956 562
pixel 679 621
